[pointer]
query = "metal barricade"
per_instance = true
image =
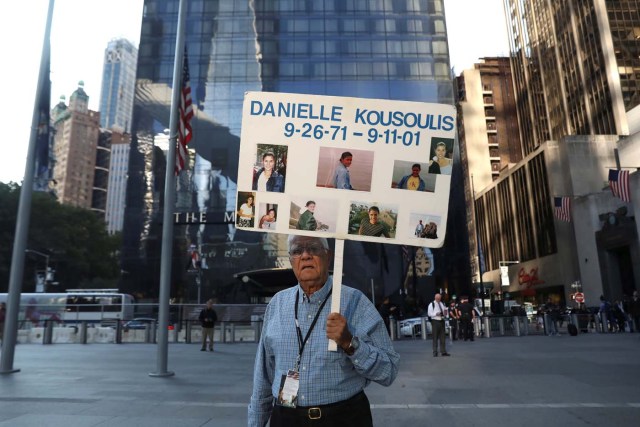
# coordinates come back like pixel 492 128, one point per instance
pixel 424 331
pixel 393 329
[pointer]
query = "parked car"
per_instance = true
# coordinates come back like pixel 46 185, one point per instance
pixel 413 327
pixel 138 323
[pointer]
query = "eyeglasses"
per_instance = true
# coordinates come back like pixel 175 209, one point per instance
pixel 313 250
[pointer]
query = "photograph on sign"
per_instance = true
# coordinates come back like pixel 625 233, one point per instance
pixel 268 214
pixel 313 215
pixel 299 152
pixel 414 176
pixel 345 170
pixel 245 215
pixel 426 225
pixel 373 219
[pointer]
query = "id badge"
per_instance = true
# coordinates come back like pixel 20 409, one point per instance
pixel 289 384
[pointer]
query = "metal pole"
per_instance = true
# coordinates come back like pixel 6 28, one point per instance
pixel 169 203
pixel 23 216
pixel 475 223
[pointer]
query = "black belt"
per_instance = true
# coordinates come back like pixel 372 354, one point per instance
pixel 329 410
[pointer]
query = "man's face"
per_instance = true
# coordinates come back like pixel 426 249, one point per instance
pixel 438 297
pixel 309 259
pixel 347 161
pixel 373 217
pixel 415 171
pixel 311 207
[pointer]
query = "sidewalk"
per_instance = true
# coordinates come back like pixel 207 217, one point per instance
pixel 515 381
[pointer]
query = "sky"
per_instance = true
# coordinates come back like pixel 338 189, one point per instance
pixel 81 30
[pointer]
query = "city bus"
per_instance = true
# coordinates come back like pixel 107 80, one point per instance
pixel 74 305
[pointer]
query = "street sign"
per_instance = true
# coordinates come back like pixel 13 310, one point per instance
pixel 579 297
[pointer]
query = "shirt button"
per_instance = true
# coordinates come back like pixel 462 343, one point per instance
pixel 304 367
pixel 302 397
pixel 309 317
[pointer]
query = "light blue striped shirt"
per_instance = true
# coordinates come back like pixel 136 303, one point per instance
pixel 342 179
pixel 325 376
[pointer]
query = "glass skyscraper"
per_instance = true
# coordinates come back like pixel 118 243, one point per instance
pixel 118 85
pixel 392 49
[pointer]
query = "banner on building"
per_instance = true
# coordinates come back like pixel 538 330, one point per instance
pixel 348 168
pixel 504 275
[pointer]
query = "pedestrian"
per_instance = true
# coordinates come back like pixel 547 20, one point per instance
pixel 437 311
pixel 467 316
pixel 605 314
pixel 552 314
pixel 635 310
pixel 3 315
pixel 454 319
pixel 297 381
pixel 208 317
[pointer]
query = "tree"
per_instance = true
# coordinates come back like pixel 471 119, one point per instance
pixel 79 248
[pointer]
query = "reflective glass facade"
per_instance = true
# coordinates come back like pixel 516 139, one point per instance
pixel 575 65
pixel 392 49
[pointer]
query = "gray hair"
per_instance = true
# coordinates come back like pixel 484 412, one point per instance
pixel 322 240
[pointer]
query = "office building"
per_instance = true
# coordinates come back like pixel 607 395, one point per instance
pixel 75 143
pixel 487 130
pixel 117 184
pixel 118 85
pixel 376 49
pixel 575 66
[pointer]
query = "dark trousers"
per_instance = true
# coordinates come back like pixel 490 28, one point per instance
pixel 437 333
pixel 467 329
pixel 353 412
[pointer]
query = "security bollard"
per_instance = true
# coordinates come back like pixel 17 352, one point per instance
pixel 223 332
pixel 575 321
pixel 424 332
pixel 83 333
pixel 525 325
pixel 392 328
pixel 516 323
pixel 176 332
pixel 487 326
pixel 501 325
pixel 118 332
pixel 257 327
pixel 147 333
pixel 187 333
pixel 47 335
pixel 232 338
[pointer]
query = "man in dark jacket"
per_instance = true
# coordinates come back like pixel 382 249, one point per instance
pixel 467 314
pixel 208 319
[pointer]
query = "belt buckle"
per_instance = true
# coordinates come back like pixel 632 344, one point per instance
pixel 314 413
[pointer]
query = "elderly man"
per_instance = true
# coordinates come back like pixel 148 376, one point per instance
pixel 437 311
pixel 297 381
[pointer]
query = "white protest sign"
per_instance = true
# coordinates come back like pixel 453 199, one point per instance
pixel 392 160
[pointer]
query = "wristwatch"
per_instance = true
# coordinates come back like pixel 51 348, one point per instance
pixel 353 346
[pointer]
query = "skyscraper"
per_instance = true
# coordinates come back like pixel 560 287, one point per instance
pixel 576 67
pixel 117 186
pixel 118 85
pixel 377 49
pixel 75 144
pixel 488 130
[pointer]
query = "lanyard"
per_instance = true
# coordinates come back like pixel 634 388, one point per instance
pixel 301 342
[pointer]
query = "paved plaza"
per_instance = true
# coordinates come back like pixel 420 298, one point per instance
pixel 590 379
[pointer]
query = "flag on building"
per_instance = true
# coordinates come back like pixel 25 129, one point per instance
pixel 562 208
pixel 619 183
pixel 184 121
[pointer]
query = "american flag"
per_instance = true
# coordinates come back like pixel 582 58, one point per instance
pixel 619 183
pixel 562 208
pixel 186 114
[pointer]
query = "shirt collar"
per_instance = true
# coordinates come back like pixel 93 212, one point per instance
pixel 318 296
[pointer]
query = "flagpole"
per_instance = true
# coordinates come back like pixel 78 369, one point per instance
pixel 23 216
pixel 169 204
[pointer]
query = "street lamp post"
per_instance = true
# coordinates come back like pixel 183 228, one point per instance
pixel 46 268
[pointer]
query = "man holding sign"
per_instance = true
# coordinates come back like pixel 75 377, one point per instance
pixel 296 378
